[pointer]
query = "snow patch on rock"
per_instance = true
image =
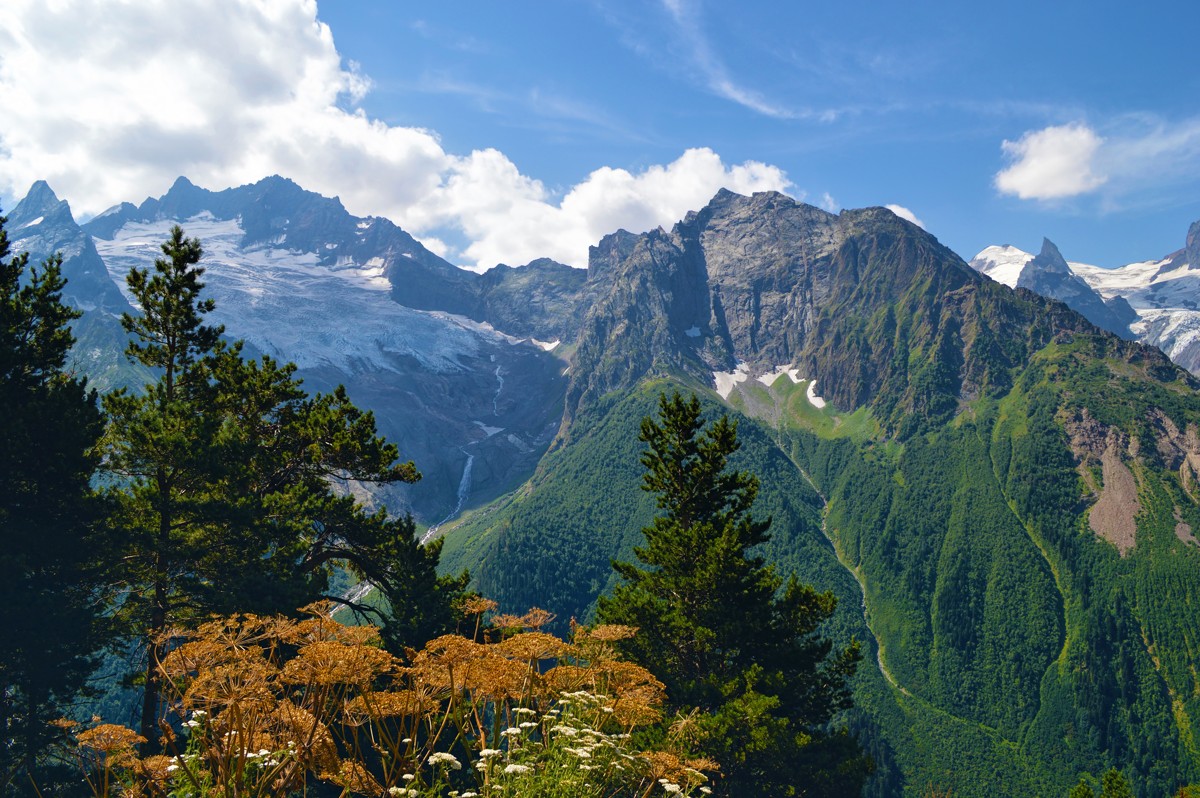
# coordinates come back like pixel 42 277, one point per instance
pixel 769 378
pixel 725 380
pixel 488 431
pixel 813 398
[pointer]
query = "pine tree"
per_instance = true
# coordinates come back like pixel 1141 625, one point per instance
pixel 223 474
pixel 725 634
pixel 1115 785
pixel 49 608
pixel 1082 790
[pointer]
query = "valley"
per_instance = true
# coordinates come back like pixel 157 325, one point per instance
pixel 934 447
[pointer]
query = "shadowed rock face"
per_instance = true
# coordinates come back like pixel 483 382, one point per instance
pixel 1192 248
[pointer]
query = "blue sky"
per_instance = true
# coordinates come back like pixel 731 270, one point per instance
pixel 504 130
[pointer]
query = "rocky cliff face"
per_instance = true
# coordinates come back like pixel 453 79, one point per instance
pixel 871 306
pixel 541 300
pixel 1192 248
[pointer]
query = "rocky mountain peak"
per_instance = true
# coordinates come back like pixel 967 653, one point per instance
pixel 1049 275
pixel 1192 248
pixel 612 249
pixel 40 203
pixel 1049 261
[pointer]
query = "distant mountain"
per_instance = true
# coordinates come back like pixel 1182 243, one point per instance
pixel 301 279
pixel 1161 298
pixel 43 225
pixel 1048 274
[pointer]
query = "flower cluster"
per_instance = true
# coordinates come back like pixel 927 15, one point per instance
pixel 271 707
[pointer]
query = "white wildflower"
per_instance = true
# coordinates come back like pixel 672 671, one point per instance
pixel 442 758
pixel 518 769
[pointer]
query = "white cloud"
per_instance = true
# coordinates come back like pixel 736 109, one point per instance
pixel 1136 153
pixel 112 101
pixel 829 203
pixel 521 226
pixel 905 213
pixel 1052 163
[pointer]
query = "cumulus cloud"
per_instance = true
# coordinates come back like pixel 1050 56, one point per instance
pixel 1136 153
pixel 112 101
pixel 1052 163
pixel 905 213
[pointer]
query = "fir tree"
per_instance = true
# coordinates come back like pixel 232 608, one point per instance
pixel 49 607
pixel 725 634
pixel 224 474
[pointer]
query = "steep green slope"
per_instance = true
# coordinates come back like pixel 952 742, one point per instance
pixel 550 544
pixel 1023 648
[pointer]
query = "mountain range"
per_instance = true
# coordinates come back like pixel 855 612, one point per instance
pixel 985 463
pixel 1156 302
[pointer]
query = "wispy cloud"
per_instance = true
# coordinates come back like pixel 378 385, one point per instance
pixel 713 71
pixel 537 108
pixel 448 38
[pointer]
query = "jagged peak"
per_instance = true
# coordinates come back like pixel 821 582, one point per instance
pixel 40 201
pixel 1050 250
pixel 181 184
pixel 40 197
pixel 1050 260
pixel 40 192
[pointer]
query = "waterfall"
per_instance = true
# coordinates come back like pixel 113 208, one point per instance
pixel 464 488
pixel 496 398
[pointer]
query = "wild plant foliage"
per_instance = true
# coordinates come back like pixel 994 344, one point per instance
pixel 269 706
